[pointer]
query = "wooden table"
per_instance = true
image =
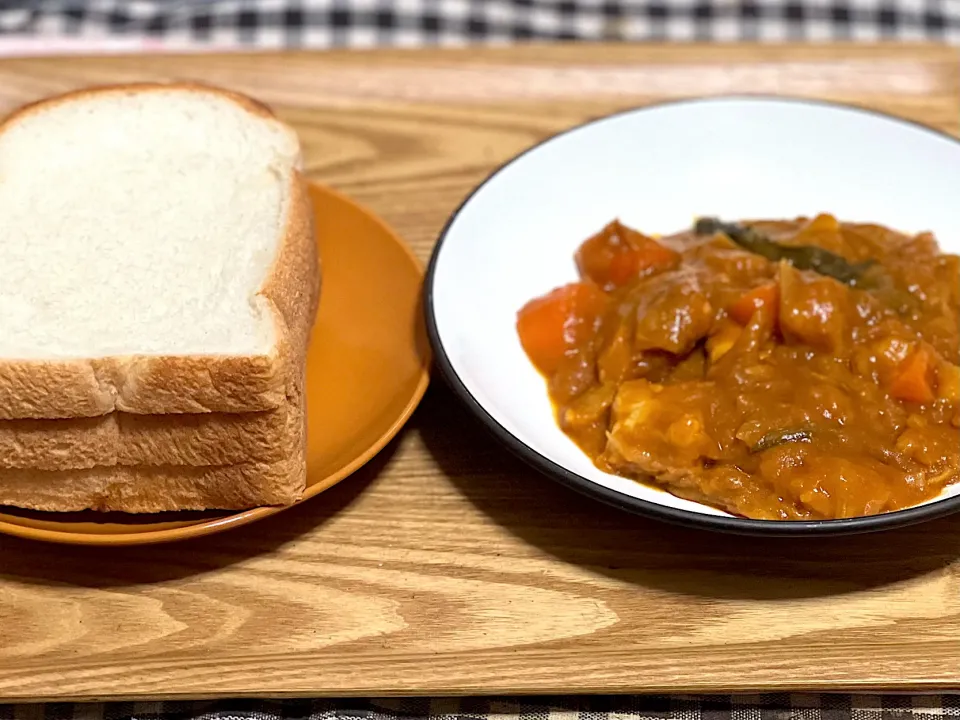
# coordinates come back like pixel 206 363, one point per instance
pixel 446 566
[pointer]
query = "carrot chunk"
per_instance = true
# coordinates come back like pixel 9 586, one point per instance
pixel 912 381
pixel 550 326
pixel 765 297
pixel 618 255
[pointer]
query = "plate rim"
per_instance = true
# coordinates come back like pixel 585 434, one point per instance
pixel 240 518
pixel 638 506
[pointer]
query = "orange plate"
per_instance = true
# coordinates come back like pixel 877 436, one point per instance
pixel 367 370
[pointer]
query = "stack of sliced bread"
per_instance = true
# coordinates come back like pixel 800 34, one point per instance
pixel 160 280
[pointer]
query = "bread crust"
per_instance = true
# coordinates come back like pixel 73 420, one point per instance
pixel 128 439
pixel 186 462
pixel 144 489
pixel 156 385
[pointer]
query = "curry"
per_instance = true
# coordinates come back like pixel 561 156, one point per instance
pixel 782 370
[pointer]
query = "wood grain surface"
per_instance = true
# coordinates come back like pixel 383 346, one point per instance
pixel 447 567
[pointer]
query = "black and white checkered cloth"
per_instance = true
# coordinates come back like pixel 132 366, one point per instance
pixel 762 707
pixel 411 23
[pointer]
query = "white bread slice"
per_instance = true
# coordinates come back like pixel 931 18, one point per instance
pixel 140 489
pixel 128 439
pixel 157 255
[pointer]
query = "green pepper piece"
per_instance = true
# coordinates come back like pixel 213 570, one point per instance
pixel 803 257
pixel 781 437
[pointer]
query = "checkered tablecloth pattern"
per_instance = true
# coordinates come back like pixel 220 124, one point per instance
pixel 413 23
pixel 759 707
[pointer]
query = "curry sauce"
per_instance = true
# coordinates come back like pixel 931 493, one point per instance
pixel 787 370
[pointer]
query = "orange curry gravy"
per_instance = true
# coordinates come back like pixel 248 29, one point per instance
pixel 752 385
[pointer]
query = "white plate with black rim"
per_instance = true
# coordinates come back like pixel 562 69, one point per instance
pixel 656 168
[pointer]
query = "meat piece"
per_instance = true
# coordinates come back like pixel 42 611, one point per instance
pixel 812 309
pixel 660 429
pixel 673 312
pixel 587 415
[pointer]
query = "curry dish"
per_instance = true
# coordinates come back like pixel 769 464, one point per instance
pixel 782 370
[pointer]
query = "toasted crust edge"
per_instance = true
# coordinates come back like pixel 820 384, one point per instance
pixel 89 387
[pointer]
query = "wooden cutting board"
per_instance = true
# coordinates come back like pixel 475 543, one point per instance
pixel 446 566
